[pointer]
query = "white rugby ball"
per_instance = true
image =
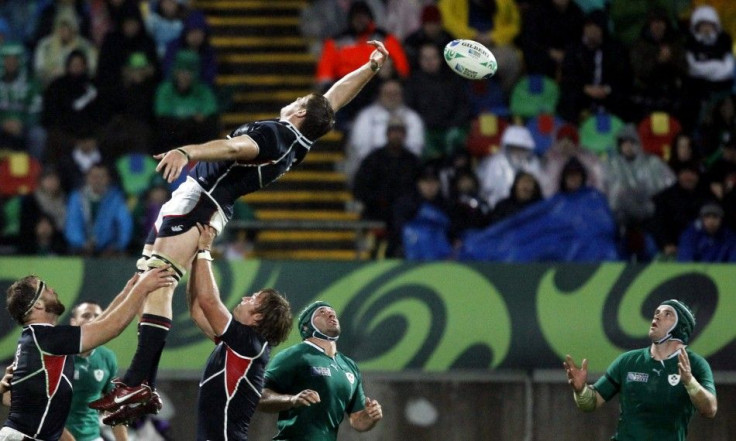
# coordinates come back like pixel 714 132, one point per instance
pixel 470 59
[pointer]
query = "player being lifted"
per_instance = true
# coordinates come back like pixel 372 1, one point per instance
pixel 251 157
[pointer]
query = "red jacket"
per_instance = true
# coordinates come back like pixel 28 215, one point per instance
pixel 347 52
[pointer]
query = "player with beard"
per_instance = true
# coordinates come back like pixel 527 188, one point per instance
pixel 660 386
pixel 43 368
pixel 312 385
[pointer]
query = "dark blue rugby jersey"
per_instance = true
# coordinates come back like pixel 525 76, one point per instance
pixel 42 381
pixel 281 147
pixel 231 384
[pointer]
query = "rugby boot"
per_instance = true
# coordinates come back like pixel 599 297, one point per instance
pixel 128 414
pixel 122 395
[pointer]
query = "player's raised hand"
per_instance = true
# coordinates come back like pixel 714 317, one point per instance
pixel 683 366
pixel 373 409
pixel 206 236
pixel 156 278
pixel 307 397
pixel 171 164
pixel 576 377
pixel 380 54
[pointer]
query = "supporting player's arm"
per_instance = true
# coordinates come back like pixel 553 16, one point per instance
pixel 119 298
pixel 208 311
pixel 342 92
pixel 99 332
pixel 238 148
pixel 272 401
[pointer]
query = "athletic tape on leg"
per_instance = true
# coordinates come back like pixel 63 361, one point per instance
pixel 159 259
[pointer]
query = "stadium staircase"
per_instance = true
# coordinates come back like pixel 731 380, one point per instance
pixel 264 64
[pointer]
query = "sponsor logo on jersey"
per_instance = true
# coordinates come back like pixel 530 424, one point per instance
pixel 674 379
pixel 351 377
pixel 99 374
pixel 637 377
pixel 321 371
pixel 177 228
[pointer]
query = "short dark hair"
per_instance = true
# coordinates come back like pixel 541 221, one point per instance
pixel 19 297
pixel 319 119
pixel 276 321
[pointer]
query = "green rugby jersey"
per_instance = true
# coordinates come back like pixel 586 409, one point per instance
pixel 337 380
pixel 654 404
pixel 92 376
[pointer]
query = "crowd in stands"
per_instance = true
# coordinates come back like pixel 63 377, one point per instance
pixel 89 91
pixel 608 132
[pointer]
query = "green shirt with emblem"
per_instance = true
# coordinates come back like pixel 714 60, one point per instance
pixel 92 377
pixel 654 404
pixel 337 380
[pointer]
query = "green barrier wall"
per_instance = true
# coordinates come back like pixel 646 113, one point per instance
pixel 435 317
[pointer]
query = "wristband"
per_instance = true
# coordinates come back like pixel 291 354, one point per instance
pixel 184 152
pixel 374 66
pixel 693 387
pixel 204 254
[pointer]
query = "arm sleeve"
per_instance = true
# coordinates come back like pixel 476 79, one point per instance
pixel 455 18
pixel 326 64
pixel 396 51
pixel 610 384
pixel 702 372
pixel 242 339
pixel 281 373
pixel 506 23
pixel 357 401
pixel 269 147
pixel 59 340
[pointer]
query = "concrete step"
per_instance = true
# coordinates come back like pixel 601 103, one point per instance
pixel 287 197
pixel 306 215
pixel 264 43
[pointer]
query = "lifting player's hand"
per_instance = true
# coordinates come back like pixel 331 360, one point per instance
pixel 380 54
pixel 206 236
pixel 373 409
pixel 307 397
pixel 576 377
pixel 171 164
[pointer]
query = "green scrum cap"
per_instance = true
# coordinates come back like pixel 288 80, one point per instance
pixel 684 323
pixel 306 322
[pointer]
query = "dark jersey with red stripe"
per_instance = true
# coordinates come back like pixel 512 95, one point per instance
pixel 280 147
pixel 42 380
pixel 231 384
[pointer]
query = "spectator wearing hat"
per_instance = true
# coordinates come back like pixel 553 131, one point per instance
pixel 677 206
pixel 441 99
pixel 548 28
pixel 185 107
pixel 707 239
pixel 430 31
pixel 710 62
pixel 196 37
pixel 348 50
pixel 595 72
pixel 565 147
pixel 20 103
pixel 385 175
pixel 497 172
pixel 52 51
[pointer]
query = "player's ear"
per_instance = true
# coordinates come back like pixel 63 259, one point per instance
pixel 301 113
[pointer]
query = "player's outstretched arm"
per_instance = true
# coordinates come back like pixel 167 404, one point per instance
pixel 239 148
pixel 348 86
pixel 702 399
pixel 586 398
pixel 366 419
pixel 99 332
pixel 209 311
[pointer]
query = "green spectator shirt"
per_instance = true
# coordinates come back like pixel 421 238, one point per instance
pixel 337 380
pixel 92 377
pixel 653 402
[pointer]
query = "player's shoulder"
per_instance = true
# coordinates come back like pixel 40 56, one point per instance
pixel 696 358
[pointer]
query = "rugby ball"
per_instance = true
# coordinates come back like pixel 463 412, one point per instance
pixel 470 59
